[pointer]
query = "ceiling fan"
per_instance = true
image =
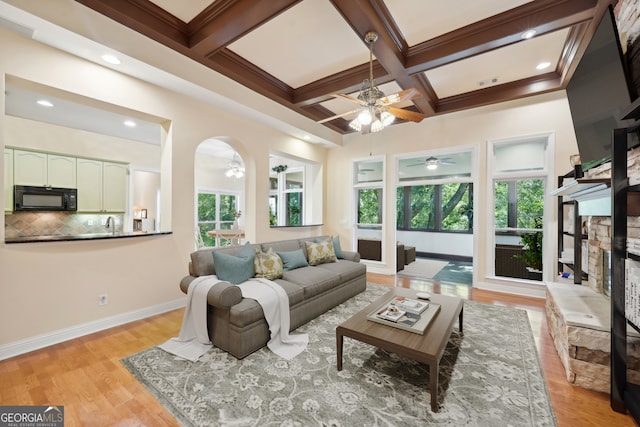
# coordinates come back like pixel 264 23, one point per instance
pixel 376 111
pixel 433 162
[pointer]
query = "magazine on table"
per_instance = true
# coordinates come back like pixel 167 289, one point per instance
pixel 390 314
pixel 409 305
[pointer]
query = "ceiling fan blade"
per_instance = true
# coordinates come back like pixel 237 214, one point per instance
pixel 406 114
pixel 401 96
pixel 348 98
pixel 337 116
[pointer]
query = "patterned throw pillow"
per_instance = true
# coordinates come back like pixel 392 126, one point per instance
pixel 268 264
pixel 320 253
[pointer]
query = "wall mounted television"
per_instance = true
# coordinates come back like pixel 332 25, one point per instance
pixel 599 93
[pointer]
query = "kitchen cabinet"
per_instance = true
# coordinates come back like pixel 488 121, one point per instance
pixel 8 180
pixel 43 169
pixel 102 186
pixel 114 186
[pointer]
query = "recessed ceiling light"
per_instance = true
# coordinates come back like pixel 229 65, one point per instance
pixel 44 103
pixel 130 123
pixel 543 65
pixel 528 34
pixel 111 59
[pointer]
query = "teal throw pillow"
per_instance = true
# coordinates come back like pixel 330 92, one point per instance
pixel 236 268
pixel 336 247
pixel 293 259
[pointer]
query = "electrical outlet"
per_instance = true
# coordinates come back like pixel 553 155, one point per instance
pixel 103 299
pixel 90 222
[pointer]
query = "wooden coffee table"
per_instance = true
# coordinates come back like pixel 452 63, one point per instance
pixel 427 348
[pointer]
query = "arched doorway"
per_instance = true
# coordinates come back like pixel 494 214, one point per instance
pixel 219 200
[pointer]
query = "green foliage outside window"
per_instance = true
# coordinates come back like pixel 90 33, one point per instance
pixel 294 208
pixel 212 215
pixel 519 203
pixel 446 207
pixel 370 206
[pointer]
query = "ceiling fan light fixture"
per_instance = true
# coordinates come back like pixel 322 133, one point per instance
pixel 355 125
pixel 432 163
pixel 235 168
pixel 376 126
pixel 364 118
pixel 387 118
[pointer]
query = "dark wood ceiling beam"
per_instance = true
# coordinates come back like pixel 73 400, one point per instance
pixel 372 15
pixel 225 21
pixel 498 31
pixel 239 69
pixel 146 18
pixel 505 92
pixel 346 82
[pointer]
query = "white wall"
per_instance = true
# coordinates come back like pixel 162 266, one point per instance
pixel 459 244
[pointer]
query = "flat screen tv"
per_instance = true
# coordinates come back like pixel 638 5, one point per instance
pixel 599 93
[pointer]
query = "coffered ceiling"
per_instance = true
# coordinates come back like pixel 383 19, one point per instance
pixel 458 54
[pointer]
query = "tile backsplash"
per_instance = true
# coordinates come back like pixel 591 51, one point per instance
pixel 19 224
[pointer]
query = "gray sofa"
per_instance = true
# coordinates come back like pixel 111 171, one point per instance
pixel 237 325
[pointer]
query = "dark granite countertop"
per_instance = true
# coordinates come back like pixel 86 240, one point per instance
pixel 75 237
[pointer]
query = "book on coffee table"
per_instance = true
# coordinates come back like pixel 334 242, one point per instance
pixel 412 322
pixel 409 305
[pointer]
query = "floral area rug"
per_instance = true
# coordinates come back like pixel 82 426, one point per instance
pixel 490 375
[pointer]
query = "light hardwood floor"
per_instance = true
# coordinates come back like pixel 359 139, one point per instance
pixel 85 374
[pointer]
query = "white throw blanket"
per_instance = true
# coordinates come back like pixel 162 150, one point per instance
pixel 193 340
pixel 275 305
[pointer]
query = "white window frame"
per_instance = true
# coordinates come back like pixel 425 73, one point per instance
pixel 217 193
pixel 546 174
pixel 384 208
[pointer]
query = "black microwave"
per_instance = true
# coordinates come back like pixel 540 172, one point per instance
pixel 30 198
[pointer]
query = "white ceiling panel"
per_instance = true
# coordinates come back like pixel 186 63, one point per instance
pixel 186 10
pixel 421 20
pixel 307 42
pixel 514 62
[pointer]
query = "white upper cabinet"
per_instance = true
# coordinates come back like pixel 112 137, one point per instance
pixel 102 186
pixel 89 185
pixel 114 186
pixel 42 169
pixel 61 171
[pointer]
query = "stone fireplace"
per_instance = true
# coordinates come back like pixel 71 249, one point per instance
pixel 579 317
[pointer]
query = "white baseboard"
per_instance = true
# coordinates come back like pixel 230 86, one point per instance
pixel 515 288
pixel 40 341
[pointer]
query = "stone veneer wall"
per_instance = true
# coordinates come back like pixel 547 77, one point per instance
pixel 599 228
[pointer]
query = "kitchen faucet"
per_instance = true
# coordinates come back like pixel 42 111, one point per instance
pixel 110 224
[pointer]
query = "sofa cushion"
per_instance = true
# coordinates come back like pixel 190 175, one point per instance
pixel 293 259
pixel 319 253
pixel 313 280
pixel 249 311
pixel 347 270
pixel 236 268
pixel 268 264
pixel 283 245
